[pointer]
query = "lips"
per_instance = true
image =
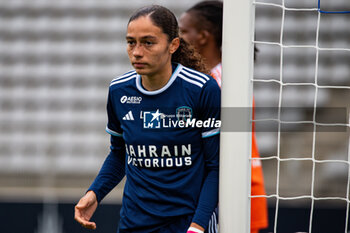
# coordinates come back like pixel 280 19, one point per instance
pixel 139 65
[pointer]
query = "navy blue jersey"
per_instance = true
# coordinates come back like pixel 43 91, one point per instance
pixel 171 148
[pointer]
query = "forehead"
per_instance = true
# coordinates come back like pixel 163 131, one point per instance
pixel 142 27
pixel 188 21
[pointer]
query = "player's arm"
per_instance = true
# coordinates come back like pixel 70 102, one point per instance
pixel 210 108
pixel 112 171
pixel 208 198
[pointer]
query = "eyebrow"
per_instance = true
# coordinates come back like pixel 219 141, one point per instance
pixel 144 37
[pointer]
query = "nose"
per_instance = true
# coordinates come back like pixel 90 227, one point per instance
pixel 138 50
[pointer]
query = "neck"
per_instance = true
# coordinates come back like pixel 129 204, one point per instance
pixel 153 82
pixel 212 55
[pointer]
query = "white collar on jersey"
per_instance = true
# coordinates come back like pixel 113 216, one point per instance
pixel 171 80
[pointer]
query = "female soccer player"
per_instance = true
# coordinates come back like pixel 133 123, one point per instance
pixel 201 26
pixel 163 118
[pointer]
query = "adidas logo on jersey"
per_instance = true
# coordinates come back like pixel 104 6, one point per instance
pixel 128 116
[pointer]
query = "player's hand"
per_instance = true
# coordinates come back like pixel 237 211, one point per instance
pixel 195 228
pixel 85 209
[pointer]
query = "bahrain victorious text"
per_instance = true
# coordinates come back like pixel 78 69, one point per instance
pixel 150 156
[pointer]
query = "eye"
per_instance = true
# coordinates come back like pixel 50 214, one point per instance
pixel 183 31
pixel 149 43
pixel 130 42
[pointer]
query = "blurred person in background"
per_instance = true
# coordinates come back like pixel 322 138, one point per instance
pixel 201 26
pixel 171 171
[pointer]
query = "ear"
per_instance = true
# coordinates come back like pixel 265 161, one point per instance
pixel 174 45
pixel 203 37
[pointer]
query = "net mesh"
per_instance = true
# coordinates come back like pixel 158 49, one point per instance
pixel 303 47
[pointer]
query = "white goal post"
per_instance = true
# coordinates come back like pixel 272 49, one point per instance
pixel 235 145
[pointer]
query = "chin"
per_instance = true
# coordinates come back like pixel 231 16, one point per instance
pixel 143 71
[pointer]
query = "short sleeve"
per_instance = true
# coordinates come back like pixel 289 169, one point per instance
pixel 113 126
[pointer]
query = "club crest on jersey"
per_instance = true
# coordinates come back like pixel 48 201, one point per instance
pixel 184 113
pixel 130 99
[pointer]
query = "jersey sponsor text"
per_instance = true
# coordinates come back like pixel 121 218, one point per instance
pixel 167 156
